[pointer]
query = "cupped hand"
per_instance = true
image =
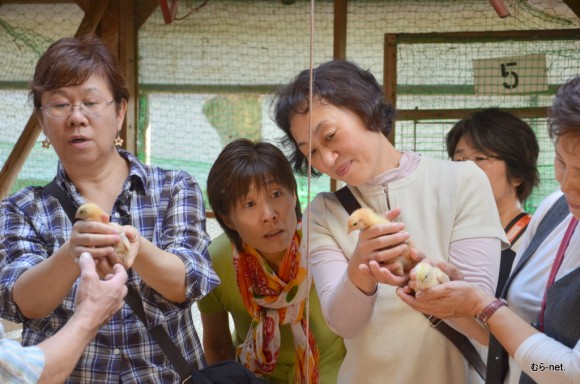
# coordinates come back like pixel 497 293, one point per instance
pixel 99 240
pixel 452 299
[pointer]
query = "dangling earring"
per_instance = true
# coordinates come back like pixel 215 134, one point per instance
pixel 45 143
pixel 118 140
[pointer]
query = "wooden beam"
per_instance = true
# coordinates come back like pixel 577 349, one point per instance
pixel 128 46
pixel 144 9
pixel 574 5
pixel 458 114
pixel 340 24
pixel 28 137
pixel 390 75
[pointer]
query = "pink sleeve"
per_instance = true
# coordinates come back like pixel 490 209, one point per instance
pixel 346 309
pixel 479 260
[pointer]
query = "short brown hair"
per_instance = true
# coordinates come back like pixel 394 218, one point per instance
pixel 71 61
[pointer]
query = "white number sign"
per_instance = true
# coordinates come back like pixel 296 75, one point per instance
pixel 510 75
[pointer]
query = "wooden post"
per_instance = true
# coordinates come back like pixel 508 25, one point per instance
pixel 390 75
pixel 28 137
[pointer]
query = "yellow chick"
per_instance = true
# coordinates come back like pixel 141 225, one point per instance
pixel 92 212
pixel 364 218
pixel 428 276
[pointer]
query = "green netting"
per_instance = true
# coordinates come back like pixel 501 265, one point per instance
pixel 208 77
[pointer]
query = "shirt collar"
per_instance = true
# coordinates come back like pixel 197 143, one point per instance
pixel 137 178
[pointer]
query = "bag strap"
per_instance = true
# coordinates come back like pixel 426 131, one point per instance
pixel 66 202
pixel 351 204
pixel 133 299
pixel 553 217
pixel 497 371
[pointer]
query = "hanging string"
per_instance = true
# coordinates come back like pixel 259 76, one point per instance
pixel 309 175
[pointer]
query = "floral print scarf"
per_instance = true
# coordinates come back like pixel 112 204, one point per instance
pixel 273 300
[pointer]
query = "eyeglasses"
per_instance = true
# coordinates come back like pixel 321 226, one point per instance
pixel 476 157
pixel 61 109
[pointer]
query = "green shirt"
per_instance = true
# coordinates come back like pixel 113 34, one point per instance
pixel 226 297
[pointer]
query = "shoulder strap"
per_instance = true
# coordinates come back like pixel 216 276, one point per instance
pixel 347 199
pixel 66 203
pixel 133 299
pixel 497 356
pixel 186 373
pixel 351 204
pixel 516 228
pixel 553 217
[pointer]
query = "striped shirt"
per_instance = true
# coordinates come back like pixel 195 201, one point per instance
pixel 19 364
pixel 167 208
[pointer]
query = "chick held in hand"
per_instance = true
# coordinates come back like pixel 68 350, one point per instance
pixel 364 218
pixel 92 212
pixel 428 276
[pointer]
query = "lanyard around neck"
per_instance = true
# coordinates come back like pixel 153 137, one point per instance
pixel 556 266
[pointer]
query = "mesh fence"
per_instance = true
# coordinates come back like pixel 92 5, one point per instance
pixel 209 76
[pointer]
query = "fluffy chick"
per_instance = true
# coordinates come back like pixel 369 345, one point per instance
pixel 364 218
pixel 92 212
pixel 428 276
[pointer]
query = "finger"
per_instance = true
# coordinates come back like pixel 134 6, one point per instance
pixel 387 256
pixel 119 273
pixel 86 263
pixel 393 213
pixel 384 275
pixel 365 270
pixel 417 255
pixel 406 297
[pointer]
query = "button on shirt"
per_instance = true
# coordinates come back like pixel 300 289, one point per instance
pixel 167 208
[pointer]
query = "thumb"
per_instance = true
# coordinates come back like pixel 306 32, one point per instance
pixel 86 262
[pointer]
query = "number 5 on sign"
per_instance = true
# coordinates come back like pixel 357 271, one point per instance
pixel 510 75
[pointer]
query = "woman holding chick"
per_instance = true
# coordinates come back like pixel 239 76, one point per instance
pixel 447 208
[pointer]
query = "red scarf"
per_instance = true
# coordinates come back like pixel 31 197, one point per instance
pixel 273 300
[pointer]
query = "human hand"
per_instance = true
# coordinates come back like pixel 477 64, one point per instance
pixel 97 238
pixel 388 272
pixel 97 300
pixel 452 299
pixel 375 257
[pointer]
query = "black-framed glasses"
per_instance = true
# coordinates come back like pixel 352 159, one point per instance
pixel 476 157
pixel 93 107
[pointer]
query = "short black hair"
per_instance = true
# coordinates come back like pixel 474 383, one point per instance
pixel 340 83
pixel 501 133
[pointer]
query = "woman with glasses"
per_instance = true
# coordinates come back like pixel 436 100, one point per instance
pixel 80 100
pixel 538 322
pixel 506 149
pixel 446 207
